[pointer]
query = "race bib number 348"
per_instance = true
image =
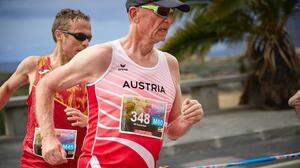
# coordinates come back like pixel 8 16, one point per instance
pixel 143 116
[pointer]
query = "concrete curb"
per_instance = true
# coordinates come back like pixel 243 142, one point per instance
pixel 230 141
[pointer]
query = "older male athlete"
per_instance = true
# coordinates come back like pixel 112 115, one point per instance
pixel 134 94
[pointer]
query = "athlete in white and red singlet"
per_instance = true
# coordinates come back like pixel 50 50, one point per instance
pixel 126 78
pixel 134 94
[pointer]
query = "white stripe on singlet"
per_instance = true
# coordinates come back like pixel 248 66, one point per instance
pixel 109 102
pixel 94 163
pixel 109 115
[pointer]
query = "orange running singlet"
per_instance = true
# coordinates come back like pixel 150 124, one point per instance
pixel 74 97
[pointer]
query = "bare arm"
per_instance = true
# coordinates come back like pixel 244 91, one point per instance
pixel 18 79
pixel 184 115
pixel 85 66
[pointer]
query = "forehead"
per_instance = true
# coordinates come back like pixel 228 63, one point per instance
pixel 151 3
pixel 79 25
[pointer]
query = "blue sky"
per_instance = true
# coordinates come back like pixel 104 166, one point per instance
pixel 26 25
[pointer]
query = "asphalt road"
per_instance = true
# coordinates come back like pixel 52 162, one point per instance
pixel 233 153
pixel 9 153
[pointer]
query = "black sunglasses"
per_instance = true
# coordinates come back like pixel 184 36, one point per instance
pixel 79 36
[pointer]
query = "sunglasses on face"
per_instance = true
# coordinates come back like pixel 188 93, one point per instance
pixel 160 11
pixel 79 36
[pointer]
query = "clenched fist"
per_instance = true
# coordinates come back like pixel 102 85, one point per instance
pixel 192 111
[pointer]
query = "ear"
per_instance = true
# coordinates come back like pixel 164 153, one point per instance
pixel 58 35
pixel 133 14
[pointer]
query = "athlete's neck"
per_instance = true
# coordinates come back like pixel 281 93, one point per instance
pixel 136 44
pixel 57 58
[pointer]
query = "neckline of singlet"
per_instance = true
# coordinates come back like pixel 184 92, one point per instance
pixel 125 55
pixel 47 64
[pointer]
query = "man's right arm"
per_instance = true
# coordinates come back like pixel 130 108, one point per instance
pixel 18 79
pixel 85 66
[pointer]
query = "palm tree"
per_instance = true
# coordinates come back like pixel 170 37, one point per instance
pixel 273 62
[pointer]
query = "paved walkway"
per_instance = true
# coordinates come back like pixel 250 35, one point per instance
pixel 237 127
pixel 214 131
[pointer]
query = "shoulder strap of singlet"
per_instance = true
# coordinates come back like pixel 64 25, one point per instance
pixel 43 67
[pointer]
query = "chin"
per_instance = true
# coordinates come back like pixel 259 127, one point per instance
pixel 159 39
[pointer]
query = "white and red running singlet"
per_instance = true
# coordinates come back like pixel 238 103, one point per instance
pixel 129 107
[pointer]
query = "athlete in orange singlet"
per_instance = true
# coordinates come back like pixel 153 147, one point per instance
pixel 71 32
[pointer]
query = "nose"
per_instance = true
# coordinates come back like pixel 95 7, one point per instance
pixel 169 19
pixel 85 43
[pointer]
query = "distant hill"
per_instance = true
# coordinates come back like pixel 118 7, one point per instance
pixel 8 67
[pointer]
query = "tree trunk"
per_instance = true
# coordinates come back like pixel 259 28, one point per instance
pixel 270 92
pixel 267 86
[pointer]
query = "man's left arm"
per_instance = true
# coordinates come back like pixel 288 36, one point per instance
pixel 184 115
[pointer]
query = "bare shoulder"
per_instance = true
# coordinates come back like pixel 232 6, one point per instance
pixel 92 62
pixel 99 53
pixel 105 47
pixel 172 61
pixel 102 50
pixel 24 70
pixel 28 65
pixel 173 67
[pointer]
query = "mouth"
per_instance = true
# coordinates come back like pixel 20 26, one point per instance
pixel 163 29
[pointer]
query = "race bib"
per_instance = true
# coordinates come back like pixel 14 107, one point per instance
pixel 143 116
pixel 66 137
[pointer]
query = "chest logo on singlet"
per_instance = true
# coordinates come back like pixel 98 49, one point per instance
pixel 144 86
pixel 122 67
pixel 42 72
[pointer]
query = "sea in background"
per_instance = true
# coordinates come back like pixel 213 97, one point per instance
pixel 8 67
pixel 220 50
